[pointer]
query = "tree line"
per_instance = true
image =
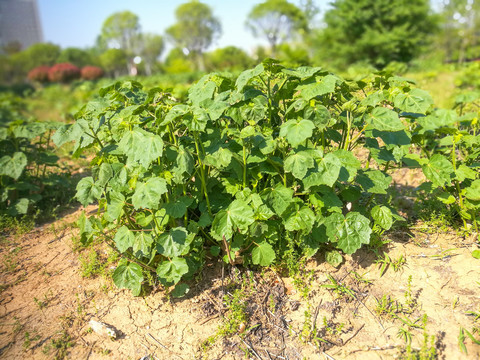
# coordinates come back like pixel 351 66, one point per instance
pixel 371 32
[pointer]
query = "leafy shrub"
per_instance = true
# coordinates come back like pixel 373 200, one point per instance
pixel 39 74
pixel 257 167
pixel 64 73
pixel 30 176
pixel 91 73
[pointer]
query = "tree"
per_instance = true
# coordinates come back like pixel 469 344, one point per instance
pixel 152 47
pixel 276 20
pixel 75 56
pixel 121 30
pixel 195 30
pixel 459 37
pixel 228 58
pixel 376 31
pixel 114 61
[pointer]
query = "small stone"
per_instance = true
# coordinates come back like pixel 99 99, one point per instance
pixel 103 329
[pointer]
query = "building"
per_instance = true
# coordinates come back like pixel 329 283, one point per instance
pixel 20 23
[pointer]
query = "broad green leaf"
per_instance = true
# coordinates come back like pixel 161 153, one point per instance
pixel 30 130
pixel 296 132
pixel 349 232
pixel 67 133
pixel 202 90
pixel 476 254
pixel 19 207
pixel 88 191
pixel 174 113
pixel 473 191
pixel 247 75
pixel 446 198
pixel 180 290
pixel 438 170
pixel 350 165
pixel 415 101
pixel 263 254
pixel 86 229
pixel 393 138
pixel 129 276
pixel 302 72
pixel 171 272
pixel 141 146
pixel 334 258
pixel 184 161
pixel 220 159
pixel 147 195
pixel 374 181
pixel 174 243
pixel 204 220
pixel 298 164
pixel 301 219
pixel 382 215
pixel 198 120
pixel 239 215
pixel 115 204
pixel 384 119
pixel 440 118
pixel 326 174
pixel 124 239
pixel 105 173
pixel 13 166
pixel 373 99
pixel 176 209
pixel 464 172
pixel 277 198
pixel 142 243
pixel 325 86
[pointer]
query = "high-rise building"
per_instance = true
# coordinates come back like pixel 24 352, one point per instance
pixel 20 22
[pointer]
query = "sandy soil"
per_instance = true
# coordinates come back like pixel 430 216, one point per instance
pixel 46 305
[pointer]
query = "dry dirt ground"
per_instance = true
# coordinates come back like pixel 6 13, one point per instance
pixel 430 289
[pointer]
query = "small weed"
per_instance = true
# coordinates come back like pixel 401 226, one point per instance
pixel 410 301
pixel 43 303
pixel 17 326
pixel 387 262
pixel 12 225
pixel 361 278
pixel 339 288
pixel 236 315
pixel 10 260
pixel 27 342
pixel 59 346
pixel 332 329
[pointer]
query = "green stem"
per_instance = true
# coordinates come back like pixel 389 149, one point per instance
pixel 457 184
pixel 244 166
pixel 172 134
pixel 202 172
pixel 347 138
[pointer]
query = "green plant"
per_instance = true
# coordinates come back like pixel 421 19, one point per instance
pixel 260 166
pixel 27 342
pixel 59 346
pixel 386 262
pixel 30 175
pixel 450 141
pixel 236 317
pixel 339 288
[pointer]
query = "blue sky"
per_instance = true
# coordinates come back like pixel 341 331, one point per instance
pixel 77 23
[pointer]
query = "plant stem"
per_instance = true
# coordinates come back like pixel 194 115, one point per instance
pixel 244 165
pixel 202 173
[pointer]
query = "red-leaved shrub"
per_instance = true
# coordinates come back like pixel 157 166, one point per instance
pixel 92 73
pixel 64 72
pixel 39 74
